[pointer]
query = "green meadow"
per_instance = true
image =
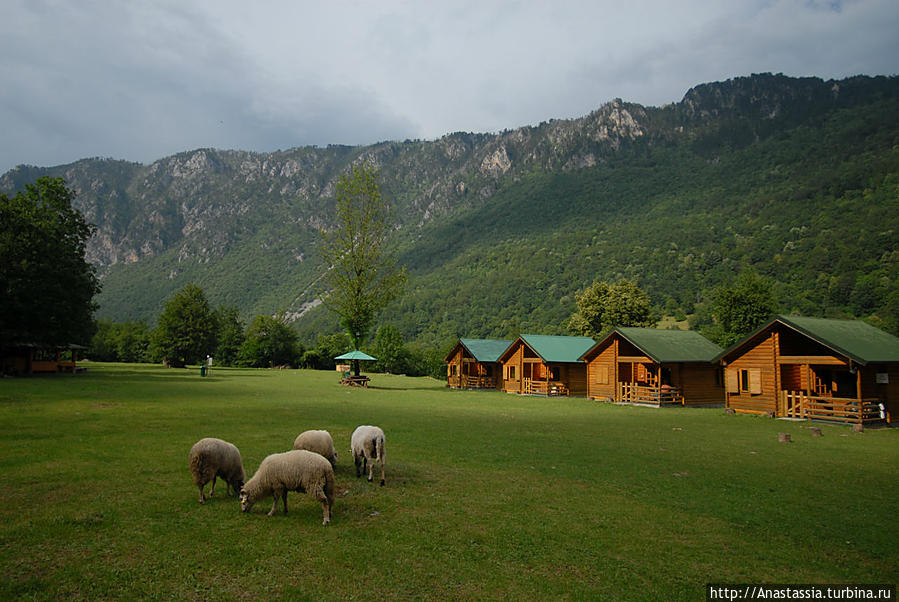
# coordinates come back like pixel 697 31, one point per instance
pixel 488 496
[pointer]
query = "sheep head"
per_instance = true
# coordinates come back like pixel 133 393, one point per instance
pixel 245 503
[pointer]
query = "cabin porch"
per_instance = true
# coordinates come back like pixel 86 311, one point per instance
pixel 644 382
pixel 833 391
pixel 470 374
pixel 539 379
pixel 798 404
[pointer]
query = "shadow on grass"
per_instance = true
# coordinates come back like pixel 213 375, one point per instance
pixel 402 387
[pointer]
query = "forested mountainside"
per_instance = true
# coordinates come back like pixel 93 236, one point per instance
pixel 797 179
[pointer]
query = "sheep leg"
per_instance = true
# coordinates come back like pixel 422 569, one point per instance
pixel 275 495
pixel 202 499
pixel 358 464
pixel 366 466
pixel 284 497
pixel 319 494
pixel 212 491
pixel 381 462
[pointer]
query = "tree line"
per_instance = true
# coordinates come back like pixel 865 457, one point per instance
pixel 190 330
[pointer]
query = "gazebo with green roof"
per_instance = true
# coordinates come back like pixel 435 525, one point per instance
pixel 654 366
pixel 474 364
pixel 546 365
pixel 815 368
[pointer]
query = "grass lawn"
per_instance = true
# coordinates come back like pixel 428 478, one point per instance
pixel 488 495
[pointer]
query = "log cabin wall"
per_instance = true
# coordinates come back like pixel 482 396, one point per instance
pixel 602 374
pixel 574 376
pixel 699 384
pixel 887 392
pixel 751 378
pixel 512 368
pixel 454 367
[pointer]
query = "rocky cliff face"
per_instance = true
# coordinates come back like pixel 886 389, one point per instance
pixel 201 205
pixel 203 200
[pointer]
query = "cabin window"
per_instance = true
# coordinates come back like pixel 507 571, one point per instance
pixel 751 381
pixel 510 372
pixel 744 380
pixel 453 369
pixel 602 375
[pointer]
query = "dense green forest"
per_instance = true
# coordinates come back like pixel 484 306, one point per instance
pixel 794 179
pixel 814 209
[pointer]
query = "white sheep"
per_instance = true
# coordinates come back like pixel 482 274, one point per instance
pixel 367 443
pixel 296 470
pixel 210 458
pixel 319 442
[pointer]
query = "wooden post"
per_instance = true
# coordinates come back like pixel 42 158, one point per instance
pixel 858 383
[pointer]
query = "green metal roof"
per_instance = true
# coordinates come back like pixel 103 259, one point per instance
pixel 855 339
pixel 672 345
pixel 558 348
pixel 669 346
pixel 485 350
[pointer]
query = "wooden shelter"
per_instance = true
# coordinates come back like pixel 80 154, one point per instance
pixel 815 368
pixel 355 379
pixel 546 365
pixel 656 367
pixel 29 358
pixel 474 364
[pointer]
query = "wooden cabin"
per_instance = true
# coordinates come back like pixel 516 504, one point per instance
pixel 474 364
pixel 656 367
pixel 546 365
pixel 815 368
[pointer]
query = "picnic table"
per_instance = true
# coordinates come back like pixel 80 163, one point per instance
pixel 355 381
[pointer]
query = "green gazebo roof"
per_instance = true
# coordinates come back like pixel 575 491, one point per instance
pixel 355 355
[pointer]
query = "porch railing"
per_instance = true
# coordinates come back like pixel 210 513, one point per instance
pixel 798 404
pixel 634 393
pixel 541 387
pixel 471 382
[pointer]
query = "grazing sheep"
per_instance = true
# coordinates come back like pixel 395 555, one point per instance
pixel 296 470
pixel 211 458
pixel 367 443
pixel 319 442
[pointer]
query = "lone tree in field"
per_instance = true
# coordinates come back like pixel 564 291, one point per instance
pixel 46 286
pixel 186 330
pixel 362 274
pixel 602 306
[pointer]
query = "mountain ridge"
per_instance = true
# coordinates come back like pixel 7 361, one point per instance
pixel 244 225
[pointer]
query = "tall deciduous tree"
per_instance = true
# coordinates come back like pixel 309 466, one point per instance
pixel 390 349
pixel 230 335
pixel 602 306
pixel 270 342
pixel 46 286
pixel 362 274
pixel 741 308
pixel 187 328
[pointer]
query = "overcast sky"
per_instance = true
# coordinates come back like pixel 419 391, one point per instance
pixel 140 80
